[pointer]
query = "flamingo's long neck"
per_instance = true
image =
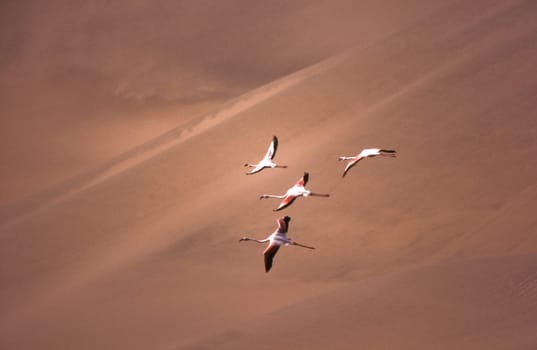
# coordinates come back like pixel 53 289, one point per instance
pixel 302 245
pixel 319 194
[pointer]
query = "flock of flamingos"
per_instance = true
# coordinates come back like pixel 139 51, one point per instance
pixel 279 237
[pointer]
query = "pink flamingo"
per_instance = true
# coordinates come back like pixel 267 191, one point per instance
pixel 276 239
pixel 266 162
pixel 298 190
pixel 366 153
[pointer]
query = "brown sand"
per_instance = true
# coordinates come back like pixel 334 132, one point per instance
pixel 125 126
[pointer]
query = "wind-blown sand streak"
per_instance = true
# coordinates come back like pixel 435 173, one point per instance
pixel 164 142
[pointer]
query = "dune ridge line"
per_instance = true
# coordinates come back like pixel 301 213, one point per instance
pixel 17 212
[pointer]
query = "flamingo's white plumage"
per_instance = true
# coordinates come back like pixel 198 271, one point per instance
pixel 267 161
pixel 298 190
pixel 366 153
pixel 276 239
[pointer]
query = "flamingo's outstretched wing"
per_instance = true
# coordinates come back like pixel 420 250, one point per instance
pixel 350 165
pixel 257 169
pixel 287 201
pixel 283 224
pixel 271 152
pixel 269 254
pixel 303 180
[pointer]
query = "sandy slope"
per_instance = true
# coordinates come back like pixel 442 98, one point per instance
pixel 433 249
pixel 83 83
pixel 480 304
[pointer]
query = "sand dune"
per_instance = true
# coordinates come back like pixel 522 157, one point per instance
pixel 133 243
pixel 474 304
pixel 160 144
pixel 83 84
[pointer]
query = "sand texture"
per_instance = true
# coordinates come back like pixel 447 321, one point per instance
pixel 125 126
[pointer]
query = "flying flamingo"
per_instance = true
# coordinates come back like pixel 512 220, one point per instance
pixel 368 152
pixel 266 162
pixel 294 192
pixel 276 239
